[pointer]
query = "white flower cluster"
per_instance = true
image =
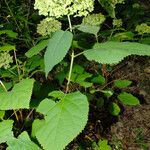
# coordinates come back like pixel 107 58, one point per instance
pixel 48 26
pixel 59 8
pixel 5 60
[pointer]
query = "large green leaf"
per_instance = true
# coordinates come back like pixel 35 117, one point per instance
pixel 114 52
pixel 23 142
pixel 63 121
pixel 6 130
pixel 19 97
pixel 37 48
pixel 57 48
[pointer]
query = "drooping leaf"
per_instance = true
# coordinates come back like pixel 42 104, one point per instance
pixel 7 48
pixel 63 122
pixel 128 99
pixel 58 47
pixel 19 97
pixel 6 130
pixel 114 52
pixel 23 142
pixel 10 33
pixel 37 48
pixel 122 83
pixel 114 109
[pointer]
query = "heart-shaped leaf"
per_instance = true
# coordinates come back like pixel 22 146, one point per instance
pixel 63 121
pixel 19 97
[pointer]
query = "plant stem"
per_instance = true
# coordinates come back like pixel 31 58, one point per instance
pixel 18 69
pixel 3 86
pixel 70 25
pixel 70 71
pixel 72 58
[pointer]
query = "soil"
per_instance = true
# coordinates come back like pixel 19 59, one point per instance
pixel 131 129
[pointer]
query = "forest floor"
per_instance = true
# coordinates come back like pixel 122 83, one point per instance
pixel 131 130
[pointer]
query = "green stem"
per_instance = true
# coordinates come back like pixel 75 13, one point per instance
pixel 70 25
pixel 18 68
pixel 70 71
pixel 3 86
pixel 81 53
pixel 72 58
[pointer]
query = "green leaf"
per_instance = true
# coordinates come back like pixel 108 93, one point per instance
pixel 128 99
pixel 23 142
pixel 57 48
pixel 19 97
pixel 103 145
pixel 2 114
pixel 63 122
pixel 89 29
pixel 99 79
pixel 56 94
pixel 114 109
pixel 10 33
pixel 6 130
pixel 45 106
pixel 37 48
pixel 114 52
pixel 7 48
pixel 122 83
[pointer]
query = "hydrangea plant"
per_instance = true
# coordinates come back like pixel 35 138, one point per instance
pixel 47 26
pixel 59 8
pixel 142 28
pixel 94 19
pixel 5 60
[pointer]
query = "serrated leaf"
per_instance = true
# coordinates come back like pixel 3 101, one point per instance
pixel 6 130
pixel 37 48
pixel 23 142
pixel 122 83
pixel 114 109
pixel 114 52
pixel 128 99
pixel 58 47
pixel 19 97
pixel 63 122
